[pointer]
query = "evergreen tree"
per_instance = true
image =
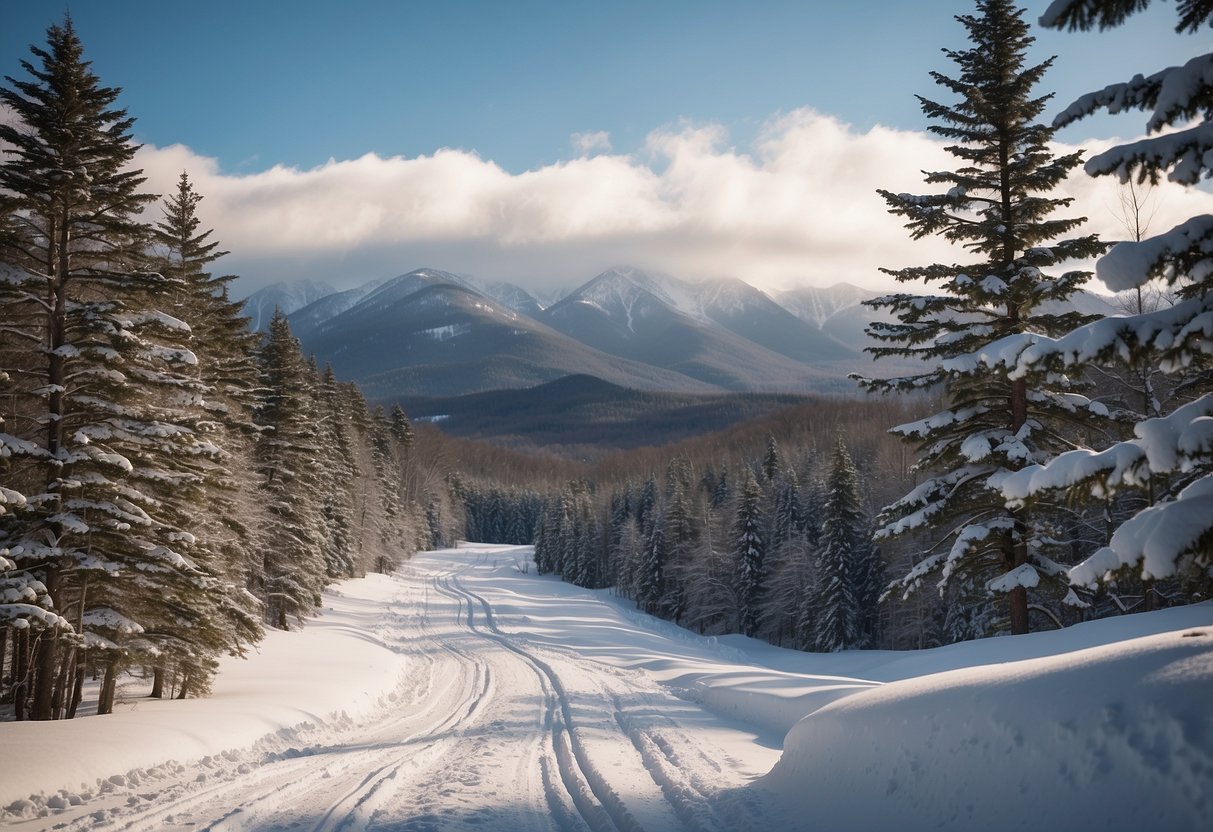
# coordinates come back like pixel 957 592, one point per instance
pixel 995 206
pixel 750 549
pixel 771 465
pixel 1171 536
pixel 788 514
pixel 294 568
pixel 101 375
pixel 847 569
pixel 338 471
pixel 217 511
pixel 402 429
pixel 651 578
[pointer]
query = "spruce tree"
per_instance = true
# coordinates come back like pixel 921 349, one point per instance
pixel 294 567
pixel 996 206
pixel 218 511
pixel 338 471
pixel 847 568
pixel 651 570
pixel 771 465
pixel 750 549
pixel 1169 457
pixel 101 377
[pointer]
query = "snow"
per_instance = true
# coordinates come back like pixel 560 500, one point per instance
pixel 1112 737
pixel 338 665
pixel 1156 538
pixel 442 333
pixel 1131 264
pixel 468 692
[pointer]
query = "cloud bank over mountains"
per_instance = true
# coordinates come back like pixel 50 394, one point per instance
pixel 798 206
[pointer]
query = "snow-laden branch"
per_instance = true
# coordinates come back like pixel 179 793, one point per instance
pixel 1156 539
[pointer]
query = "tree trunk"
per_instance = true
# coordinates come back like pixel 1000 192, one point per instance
pixel 105 702
pixel 66 664
pixel 20 673
pixel 1018 598
pixel 157 682
pixel 1151 597
pixel 185 683
pixel 46 656
pixel 4 660
pixel 77 692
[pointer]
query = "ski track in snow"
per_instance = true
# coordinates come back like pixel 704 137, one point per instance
pixel 487 731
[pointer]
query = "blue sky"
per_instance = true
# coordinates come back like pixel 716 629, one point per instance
pixel 257 83
pixel 703 138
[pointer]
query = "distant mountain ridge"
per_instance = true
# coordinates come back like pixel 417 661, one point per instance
pixel 287 296
pixel 435 333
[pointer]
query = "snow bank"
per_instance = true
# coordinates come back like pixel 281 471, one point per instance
pixel 337 668
pixel 765 687
pixel 1112 737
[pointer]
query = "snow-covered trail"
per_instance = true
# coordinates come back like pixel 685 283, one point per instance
pixel 466 692
pixel 488 730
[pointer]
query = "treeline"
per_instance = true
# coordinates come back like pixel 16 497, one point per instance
pixel 768 548
pixel 172 482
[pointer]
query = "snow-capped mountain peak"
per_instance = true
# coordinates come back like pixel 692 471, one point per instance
pixel 286 295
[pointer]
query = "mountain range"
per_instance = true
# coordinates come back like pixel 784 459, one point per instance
pixel 434 333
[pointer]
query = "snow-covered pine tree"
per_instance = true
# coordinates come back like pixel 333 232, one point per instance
pixel 219 512
pixel 293 569
pixel 996 206
pixel 847 567
pixel 338 471
pixel 1174 536
pixel 618 518
pixel 106 441
pixel 680 537
pixel 387 524
pixel 25 606
pixel 722 491
pixel 750 549
pixel 788 513
pixel 650 574
pixel 646 503
pixel 771 464
pixel 402 428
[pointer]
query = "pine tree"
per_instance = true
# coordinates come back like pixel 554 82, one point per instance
pixel 771 465
pixel 1172 536
pixel 402 429
pixel 750 548
pixel 847 568
pixel 294 568
pixel 218 511
pixel 996 206
pixel 651 577
pixel 338 471
pixel 788 513
pixel 103 379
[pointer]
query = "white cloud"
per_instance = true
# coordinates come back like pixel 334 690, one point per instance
pixel 587 144
pixel 798 206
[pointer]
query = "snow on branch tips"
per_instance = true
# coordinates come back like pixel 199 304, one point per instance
pixel 1185 251
pixel 1158 539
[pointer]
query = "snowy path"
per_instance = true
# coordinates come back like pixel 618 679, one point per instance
pixel 487 731
pixel 468 693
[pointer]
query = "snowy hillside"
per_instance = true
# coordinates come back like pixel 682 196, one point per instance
pixel 286 295
pixel 469 692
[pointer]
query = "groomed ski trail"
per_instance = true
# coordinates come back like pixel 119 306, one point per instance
pixel 488 730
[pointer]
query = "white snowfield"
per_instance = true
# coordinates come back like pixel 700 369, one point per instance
pixel 467 693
